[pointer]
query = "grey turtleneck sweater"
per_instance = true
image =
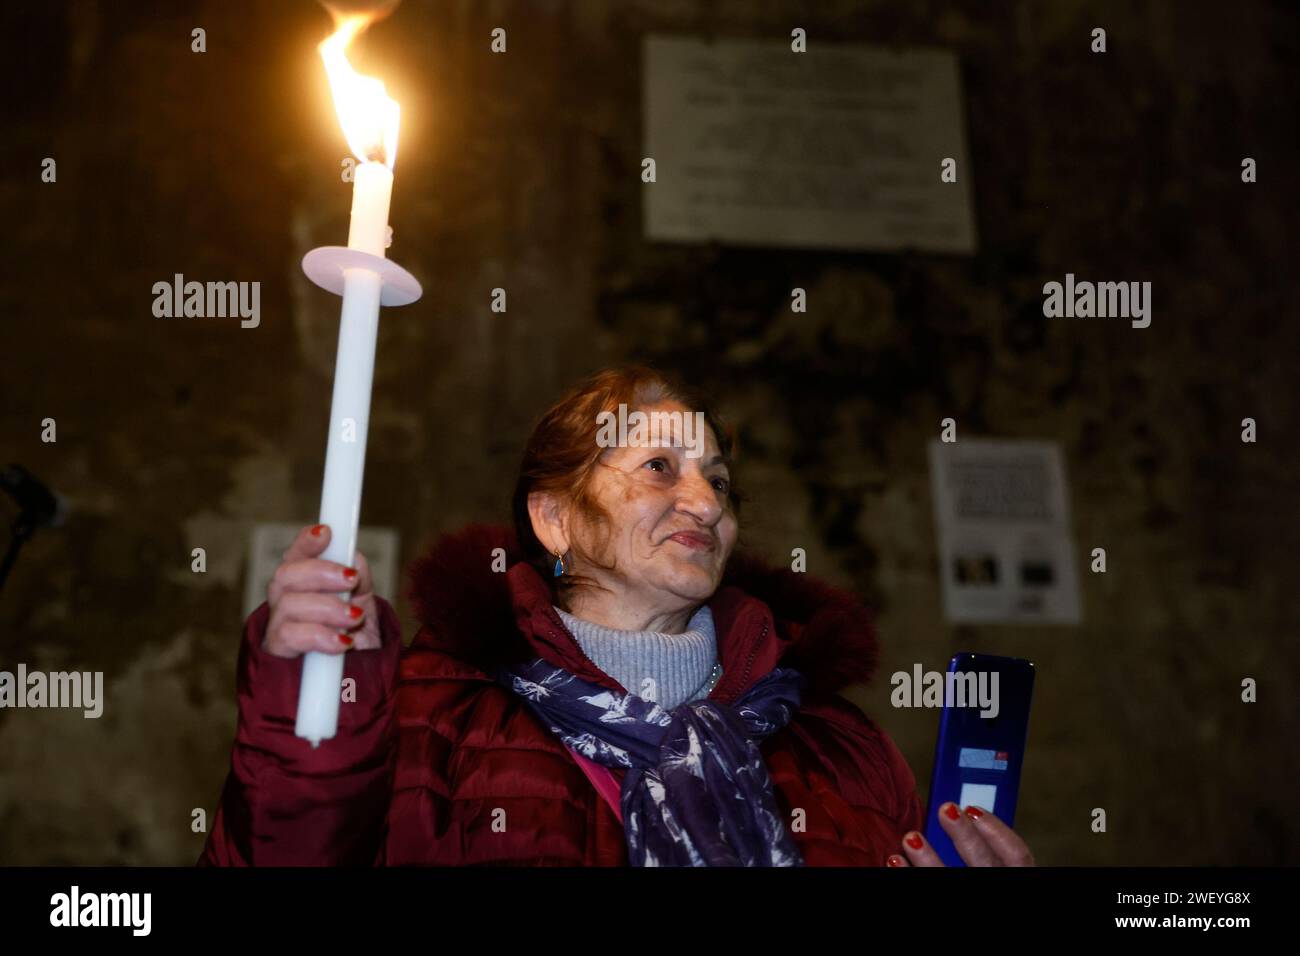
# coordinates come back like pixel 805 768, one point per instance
pixel 669 669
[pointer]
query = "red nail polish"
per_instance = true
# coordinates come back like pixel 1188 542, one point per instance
pixel 355 612
pixel 344 639
pixel 951 811
pixel 894 860
pixel 974 812
pixel 914 841
pixel 318 530
pixel 350 574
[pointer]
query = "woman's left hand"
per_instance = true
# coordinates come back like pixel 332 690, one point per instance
pixel 981 839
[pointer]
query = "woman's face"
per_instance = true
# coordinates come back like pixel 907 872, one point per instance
pixel 671 527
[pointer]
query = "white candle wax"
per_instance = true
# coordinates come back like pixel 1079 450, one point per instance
pixel 345 453
pixel 372 187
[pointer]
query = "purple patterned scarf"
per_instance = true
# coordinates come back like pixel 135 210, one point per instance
pixel 696 791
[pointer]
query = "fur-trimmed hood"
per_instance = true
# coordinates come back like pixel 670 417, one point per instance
pixel 480 616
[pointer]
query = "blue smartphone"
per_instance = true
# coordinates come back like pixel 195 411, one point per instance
pixel 981 746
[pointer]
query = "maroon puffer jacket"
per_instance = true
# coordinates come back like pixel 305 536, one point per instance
pixel 435 763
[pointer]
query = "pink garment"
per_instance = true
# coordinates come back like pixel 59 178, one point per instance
pixel 603 780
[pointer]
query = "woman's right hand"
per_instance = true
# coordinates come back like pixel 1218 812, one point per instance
pixel 306 612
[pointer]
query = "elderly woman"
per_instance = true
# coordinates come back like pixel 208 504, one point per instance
pixel 607 685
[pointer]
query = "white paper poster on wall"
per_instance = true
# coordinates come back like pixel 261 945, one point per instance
pixel 268 542
pixel 839 147
pixel 1006 550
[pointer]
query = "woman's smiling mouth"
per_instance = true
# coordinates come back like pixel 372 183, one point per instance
pixel 694 540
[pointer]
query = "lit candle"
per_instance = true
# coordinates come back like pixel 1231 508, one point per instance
pixel 370 119
pixel 365 280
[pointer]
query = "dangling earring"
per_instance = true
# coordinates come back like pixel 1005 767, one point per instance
pixel 560 567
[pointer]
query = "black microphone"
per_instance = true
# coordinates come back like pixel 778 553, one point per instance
pixel 38 508
pixel 41 507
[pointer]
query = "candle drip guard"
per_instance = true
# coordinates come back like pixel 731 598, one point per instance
pixel 327 266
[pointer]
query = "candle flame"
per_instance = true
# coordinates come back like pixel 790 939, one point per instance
pixel 368 115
